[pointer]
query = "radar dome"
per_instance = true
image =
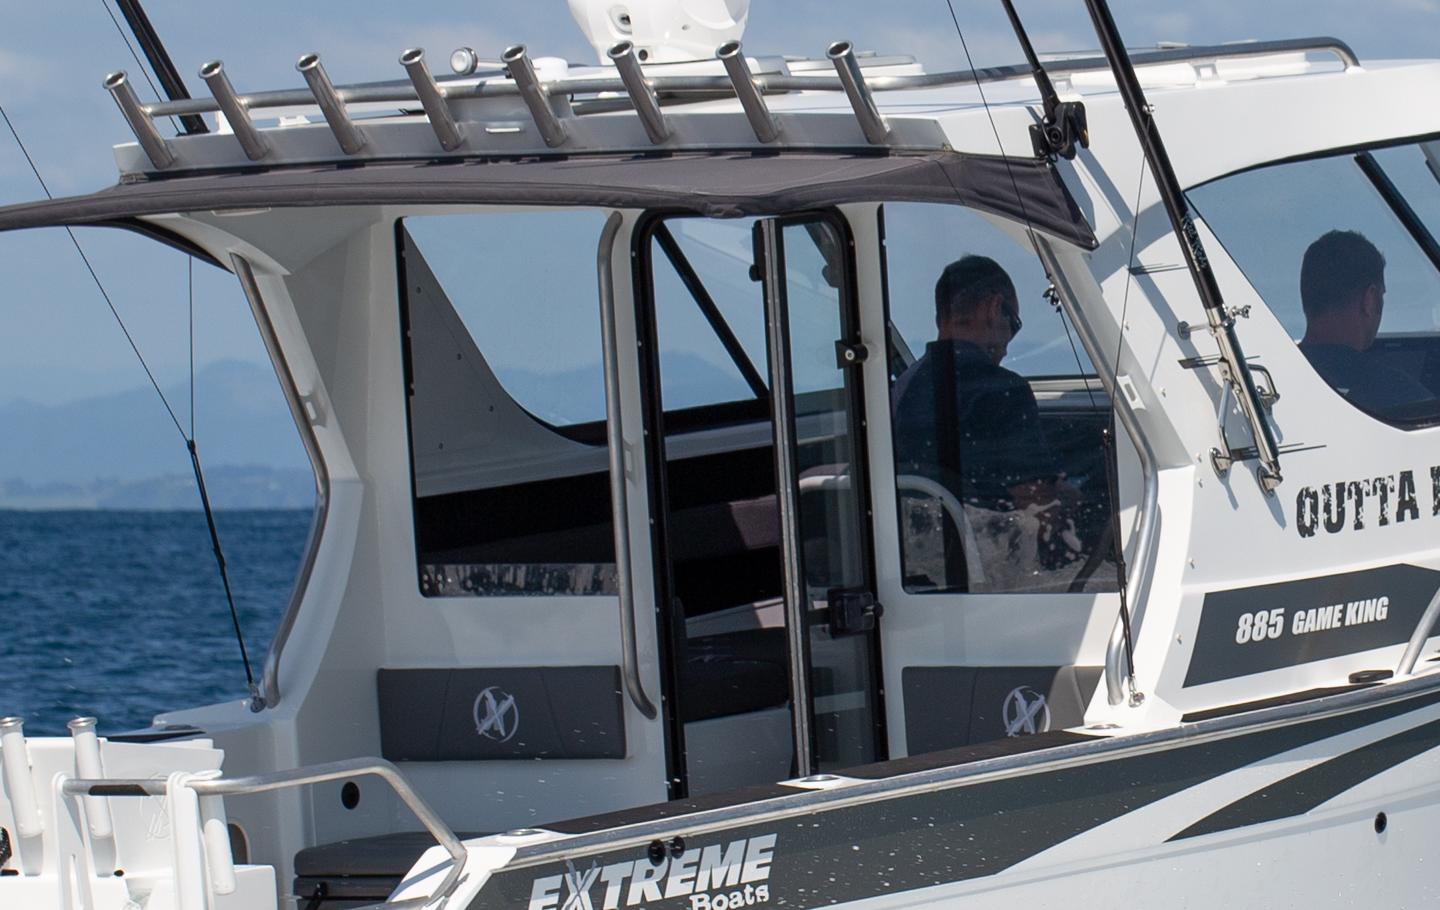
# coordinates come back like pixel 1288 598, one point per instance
pixel 663 31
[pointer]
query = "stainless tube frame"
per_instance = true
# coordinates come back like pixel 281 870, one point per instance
pixel 756 111
pixel 141 124
pixel 313 774
pixel 350 137
pixel 797 598
pixel 250 138
pixel 402 91
pixel 1147 515
pixel 876 130
pixel 441 121
pixel 619 499
pixel 641 94
pixel 270 680
pixel 522 71
pixel 1419 637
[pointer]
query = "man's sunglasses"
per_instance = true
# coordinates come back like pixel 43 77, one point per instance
pixel 1012 315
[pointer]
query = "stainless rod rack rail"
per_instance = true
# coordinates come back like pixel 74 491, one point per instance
pixel 314 774
pixel 749 87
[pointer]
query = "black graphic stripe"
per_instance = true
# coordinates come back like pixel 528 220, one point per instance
pixel 940 836
pixel 1299 793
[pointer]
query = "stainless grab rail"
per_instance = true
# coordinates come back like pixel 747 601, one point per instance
pixel 1419 636
pixel 402 90
pixel 1147 516
pixel 314 774
pixel 270 678
pixel 619 505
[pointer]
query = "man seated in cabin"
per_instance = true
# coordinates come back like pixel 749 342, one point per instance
pixel 1342 291
pixel 973 426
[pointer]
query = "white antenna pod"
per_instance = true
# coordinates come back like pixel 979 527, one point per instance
pixel 663 31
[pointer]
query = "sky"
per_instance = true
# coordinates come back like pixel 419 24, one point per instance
pixel 57 340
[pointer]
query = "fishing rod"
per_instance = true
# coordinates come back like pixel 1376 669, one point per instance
pixel 160 61
pixel 1221 318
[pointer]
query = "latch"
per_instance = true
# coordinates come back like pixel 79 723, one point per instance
pixel 850 355
pixel 853 611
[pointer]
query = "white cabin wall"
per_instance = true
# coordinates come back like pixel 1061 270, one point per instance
pixel 1209 523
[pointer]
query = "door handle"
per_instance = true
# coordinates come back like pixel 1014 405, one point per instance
pixel 852 611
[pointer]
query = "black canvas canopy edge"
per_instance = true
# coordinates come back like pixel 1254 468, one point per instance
pixel 715 185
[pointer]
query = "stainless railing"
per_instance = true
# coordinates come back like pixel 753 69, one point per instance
pixel 334 99
pixel 269 695
pixel 1419 637
pixel 314 774
pixel 619 504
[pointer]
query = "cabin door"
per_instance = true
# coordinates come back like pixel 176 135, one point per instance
pixel 832 617
pixel 759 505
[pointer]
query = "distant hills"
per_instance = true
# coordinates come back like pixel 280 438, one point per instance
pixel 122 451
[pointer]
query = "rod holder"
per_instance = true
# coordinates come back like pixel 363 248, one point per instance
pixel 88 767
pixel 141 124
pixel 236 114
pixel 641 95
pixel 842 54
pixel 351 139
pixel 522 71
pixel 18 784
pixel 761 121
pixel 441 121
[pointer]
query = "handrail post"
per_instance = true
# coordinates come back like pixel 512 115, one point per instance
pixel 1419 637
pixel 615 437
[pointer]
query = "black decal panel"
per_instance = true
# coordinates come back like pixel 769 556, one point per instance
pixel 507 713
pixel 1251 630
pixel 806 856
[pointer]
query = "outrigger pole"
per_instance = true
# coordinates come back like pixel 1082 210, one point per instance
pixel 1234 369
pixel 1064 124
pixel 160 61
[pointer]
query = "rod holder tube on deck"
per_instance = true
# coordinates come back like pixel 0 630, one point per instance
pixel 141 124
pixel 522 72
pixel 236 114
pixel 441 120
pixel 761 121
pixel 641 95
pixel 351 139
pixel 18 784
pixel 87 765
pixel 842 54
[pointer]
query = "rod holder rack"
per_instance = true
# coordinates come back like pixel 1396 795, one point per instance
pixel 236 114
pixel 644 93
pixel 141 122
pixel 432 100
pixel 842 54
pixel 641 94
pixel 756 111
pixel 351 139
pixel 522 72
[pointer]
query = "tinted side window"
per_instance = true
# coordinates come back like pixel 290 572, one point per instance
pixel 1364 305
pixel 999 489
pixel 503 350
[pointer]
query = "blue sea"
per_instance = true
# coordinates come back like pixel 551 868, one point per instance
pixel 121 614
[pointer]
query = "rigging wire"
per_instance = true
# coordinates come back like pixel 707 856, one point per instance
pixel 1112 481
pixel 188 438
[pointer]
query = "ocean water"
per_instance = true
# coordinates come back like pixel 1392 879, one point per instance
pixel 121 614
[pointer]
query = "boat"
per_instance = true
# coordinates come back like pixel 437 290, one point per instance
pixel 640 579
